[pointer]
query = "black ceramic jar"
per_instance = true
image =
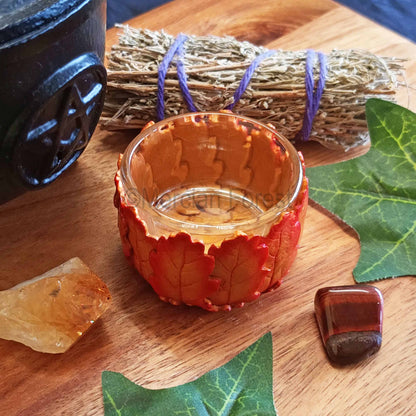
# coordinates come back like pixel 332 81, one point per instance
pixel 52 86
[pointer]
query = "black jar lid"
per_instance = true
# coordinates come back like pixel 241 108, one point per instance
pixel 22 19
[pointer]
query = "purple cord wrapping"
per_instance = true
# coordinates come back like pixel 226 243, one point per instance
pixel 312 98
pixel 183 82
pixel 247 77
pixel 162 71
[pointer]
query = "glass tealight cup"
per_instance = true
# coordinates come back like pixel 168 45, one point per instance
pixel 210 175
pixel 214 177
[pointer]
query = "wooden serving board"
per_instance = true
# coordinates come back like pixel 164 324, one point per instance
pixel 158 345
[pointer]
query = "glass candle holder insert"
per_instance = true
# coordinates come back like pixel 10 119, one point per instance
pixel 211 207
pixel 211 175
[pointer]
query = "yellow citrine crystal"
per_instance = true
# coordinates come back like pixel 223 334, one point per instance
pixel 52 311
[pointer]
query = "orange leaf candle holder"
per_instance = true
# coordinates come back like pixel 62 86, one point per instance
pixel 211 208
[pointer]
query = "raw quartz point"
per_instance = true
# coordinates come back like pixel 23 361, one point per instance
pixel 50 312
pixel 350 321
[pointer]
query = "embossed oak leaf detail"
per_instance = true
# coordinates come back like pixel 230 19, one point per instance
pixel 137 245
pixel 235 162
pixel 199 149
pixel 136 242
pixel 283 239
pixel 239 267
pixel 182 271
pixel 164 161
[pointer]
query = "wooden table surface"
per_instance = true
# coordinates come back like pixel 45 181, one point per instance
pixel 157 345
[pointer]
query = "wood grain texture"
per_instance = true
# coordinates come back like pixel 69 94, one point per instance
pixel 158 345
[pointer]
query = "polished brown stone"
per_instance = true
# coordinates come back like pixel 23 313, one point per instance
pixel 350 321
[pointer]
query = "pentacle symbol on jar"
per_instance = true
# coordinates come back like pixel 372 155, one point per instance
pixel 63 116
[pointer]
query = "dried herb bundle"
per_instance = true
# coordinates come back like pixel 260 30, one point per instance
pixel 276 93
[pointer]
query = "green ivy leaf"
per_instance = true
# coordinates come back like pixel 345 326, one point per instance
pixel 376 193
pixel 242 387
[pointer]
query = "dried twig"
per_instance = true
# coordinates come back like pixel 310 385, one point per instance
pixel 276 93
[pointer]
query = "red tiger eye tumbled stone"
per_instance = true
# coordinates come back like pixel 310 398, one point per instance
pixel 350 321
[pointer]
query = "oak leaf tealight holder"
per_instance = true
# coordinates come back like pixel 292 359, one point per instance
pixel 211 208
